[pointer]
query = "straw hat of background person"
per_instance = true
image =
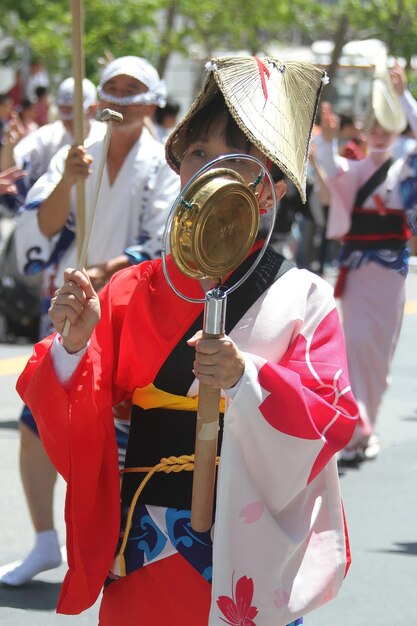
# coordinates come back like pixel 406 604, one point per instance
pixel 385 105
pixel 273 102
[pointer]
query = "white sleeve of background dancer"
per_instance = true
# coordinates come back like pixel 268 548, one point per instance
pixel 409 105
pixel 65 363
pixel 164 186
pixel 25 148
pixel 31 243
pixel 328 158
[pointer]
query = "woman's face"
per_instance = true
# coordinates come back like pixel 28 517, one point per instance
pixel 202 151
pixel 380 139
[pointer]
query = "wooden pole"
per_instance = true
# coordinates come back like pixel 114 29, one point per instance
pixel 205 456
pixel 78 108
pixel 207 426
pixel 110 116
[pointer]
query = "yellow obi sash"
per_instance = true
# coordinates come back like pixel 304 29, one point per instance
pixel 150 397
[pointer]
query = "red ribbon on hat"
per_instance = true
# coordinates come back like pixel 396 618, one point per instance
pixel 263 70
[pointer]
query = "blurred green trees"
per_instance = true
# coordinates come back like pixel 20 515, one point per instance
pixel 197 28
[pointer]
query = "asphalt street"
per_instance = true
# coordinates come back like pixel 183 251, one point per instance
pixel 380 499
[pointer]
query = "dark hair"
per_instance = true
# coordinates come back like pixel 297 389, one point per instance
pixel 41 91
pixel 25 106
pixel 216 111
pixel 345 120
pixel 4 97
pixel 172 108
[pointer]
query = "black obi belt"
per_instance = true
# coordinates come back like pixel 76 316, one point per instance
pixel 163 426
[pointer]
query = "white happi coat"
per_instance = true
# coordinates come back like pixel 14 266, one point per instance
pixel 34 152
pixel 132 210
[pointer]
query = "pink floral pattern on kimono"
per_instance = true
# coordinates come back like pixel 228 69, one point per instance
pixel 237 609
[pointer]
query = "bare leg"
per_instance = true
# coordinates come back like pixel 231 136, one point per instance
pixel 38 479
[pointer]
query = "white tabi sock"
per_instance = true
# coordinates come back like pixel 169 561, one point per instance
pixel 45 555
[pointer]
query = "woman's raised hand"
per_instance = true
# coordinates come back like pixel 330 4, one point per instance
pixel 329 122
pixel 76 301
pixel 398 78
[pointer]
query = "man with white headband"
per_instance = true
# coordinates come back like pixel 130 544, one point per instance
pixel 138 69
pixel 137 191
pixel 136 179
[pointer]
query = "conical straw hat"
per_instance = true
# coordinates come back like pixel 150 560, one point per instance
pixel 385 104
pixel 273 103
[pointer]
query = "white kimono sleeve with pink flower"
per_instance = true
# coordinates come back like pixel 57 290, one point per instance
pixel 280 548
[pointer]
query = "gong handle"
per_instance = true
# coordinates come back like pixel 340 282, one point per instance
pixel 207 426
pixel 205 458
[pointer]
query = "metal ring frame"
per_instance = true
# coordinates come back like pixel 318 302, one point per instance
pixel 178 201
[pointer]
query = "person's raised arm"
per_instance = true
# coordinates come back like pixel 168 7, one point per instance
pixel 54 211
pixel 13 133
pixel 326 144
pixel 320 177
pixel 409 104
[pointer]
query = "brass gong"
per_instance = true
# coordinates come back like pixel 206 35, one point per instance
pixel 215 225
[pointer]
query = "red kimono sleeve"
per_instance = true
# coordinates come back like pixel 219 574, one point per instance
pixel 310 394
pixel 77 430
pixel 133 337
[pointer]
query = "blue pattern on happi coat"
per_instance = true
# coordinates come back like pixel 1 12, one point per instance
pixel 35 263
pixel 147 541
pixel 196 548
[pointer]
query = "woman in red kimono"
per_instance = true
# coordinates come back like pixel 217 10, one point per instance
pixel 278 547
